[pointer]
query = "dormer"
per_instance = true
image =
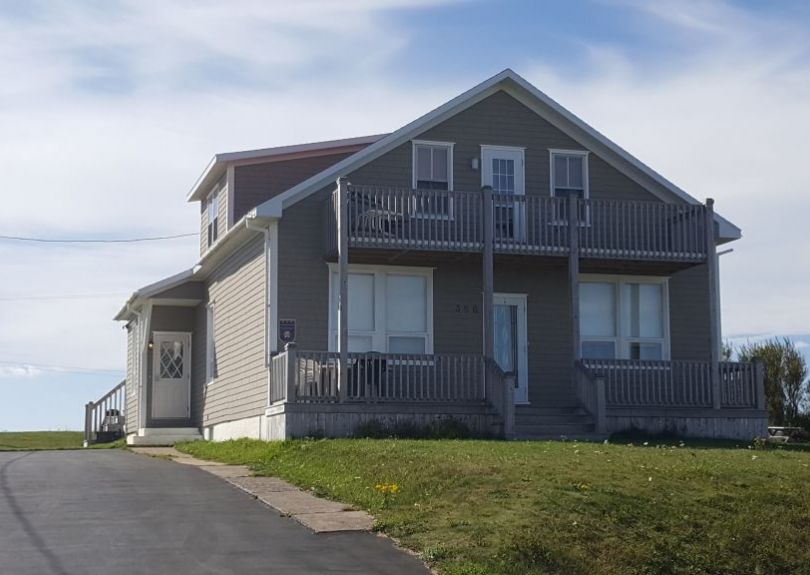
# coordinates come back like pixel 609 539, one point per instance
pixel 235 183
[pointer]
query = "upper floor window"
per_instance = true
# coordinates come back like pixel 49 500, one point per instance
pixel 213 217
pixel 432 165
pixel 569 174
pixel 432 170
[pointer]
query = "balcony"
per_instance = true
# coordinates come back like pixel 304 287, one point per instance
pixel 453 221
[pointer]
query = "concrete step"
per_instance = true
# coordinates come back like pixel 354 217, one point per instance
pixel 541 411
pixel 589 436
pixel 528 419
pixel 556 429
pixel 163 436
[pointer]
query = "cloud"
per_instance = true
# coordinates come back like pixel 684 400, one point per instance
pixel 726 119
pixel 110 110
pixel 19 371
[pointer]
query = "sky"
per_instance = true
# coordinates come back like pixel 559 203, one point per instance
pixel 109 110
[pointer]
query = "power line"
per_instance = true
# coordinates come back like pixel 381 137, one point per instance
pixel 94 241
pixel 62 297
pixel 62 368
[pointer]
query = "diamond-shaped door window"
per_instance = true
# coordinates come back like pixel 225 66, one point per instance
pixel 171 359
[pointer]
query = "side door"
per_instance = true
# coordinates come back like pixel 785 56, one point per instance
pixel 171 375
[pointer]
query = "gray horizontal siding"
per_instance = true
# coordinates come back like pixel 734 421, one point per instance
pixel 500 120
pixel 458 324
pixel 689 314
pixel 303 276
pixel 133 368
pixel 198 364
pixel 257 183
pixel 237 292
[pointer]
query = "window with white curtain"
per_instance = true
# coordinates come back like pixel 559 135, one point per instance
pixel 432 170
pixel 390 310
pixel 624 317
pixel 569 174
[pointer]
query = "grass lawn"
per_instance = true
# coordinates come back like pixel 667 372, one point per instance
pixel 476 507
pixel 39 440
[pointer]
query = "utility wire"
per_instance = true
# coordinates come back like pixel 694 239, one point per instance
pixel 61 297
pixel 95 241
pixel 63 368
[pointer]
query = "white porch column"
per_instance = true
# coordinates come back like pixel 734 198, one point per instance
pixel 343 292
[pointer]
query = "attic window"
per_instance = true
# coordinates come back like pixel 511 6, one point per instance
pixel 213 218
pixel 432 165
pixel 569 173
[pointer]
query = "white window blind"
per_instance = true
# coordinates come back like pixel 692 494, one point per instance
pixel 388 312
pixel 623 318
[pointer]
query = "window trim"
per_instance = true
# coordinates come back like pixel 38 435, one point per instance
pixel 450 146
pixel 380 335
pixel 622 340
pixel 585 155
pixel 210 345
pixel 559 219
pixel 212 227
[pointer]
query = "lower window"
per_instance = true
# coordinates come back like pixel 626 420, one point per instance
pixel 624 317
pixel 390 310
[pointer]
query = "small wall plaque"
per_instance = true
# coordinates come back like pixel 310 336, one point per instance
pixel 286 330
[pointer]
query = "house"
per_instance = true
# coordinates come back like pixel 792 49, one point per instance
pixel 497 261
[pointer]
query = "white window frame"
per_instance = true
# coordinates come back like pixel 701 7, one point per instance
pixel 212 229
pixel 210 345
pixel 450 146
pixel 586 179
pixel 381 334
pixel 622 340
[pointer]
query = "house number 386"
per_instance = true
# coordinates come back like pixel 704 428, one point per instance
pixel 466 308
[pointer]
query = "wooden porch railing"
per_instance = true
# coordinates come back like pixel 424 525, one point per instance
pixel 105 418
pixel 590 392
pixel 631 383
pixel 440 220
pixel 313 377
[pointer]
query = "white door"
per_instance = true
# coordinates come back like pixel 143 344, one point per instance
pixel 511 342
pixel 502 168
pixel 171 375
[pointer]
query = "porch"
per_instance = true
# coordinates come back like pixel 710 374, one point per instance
pixel 400 219
pixel 305 396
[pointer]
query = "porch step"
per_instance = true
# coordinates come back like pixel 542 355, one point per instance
pixel 554 429
pixel 163 436
pixel 552 419
pixel 571 422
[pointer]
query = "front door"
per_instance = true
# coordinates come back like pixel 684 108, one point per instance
pixel 502 168
pixel 511 343
pixel 171 375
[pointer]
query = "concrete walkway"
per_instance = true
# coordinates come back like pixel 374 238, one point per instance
pixel 97 512
pixel 320 515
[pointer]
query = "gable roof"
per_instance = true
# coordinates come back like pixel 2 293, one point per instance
pixel 519 88
pixel 219 163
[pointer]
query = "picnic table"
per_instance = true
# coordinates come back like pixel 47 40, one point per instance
pixel 783 434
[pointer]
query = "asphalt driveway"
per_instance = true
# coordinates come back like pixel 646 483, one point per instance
pixel 87 512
